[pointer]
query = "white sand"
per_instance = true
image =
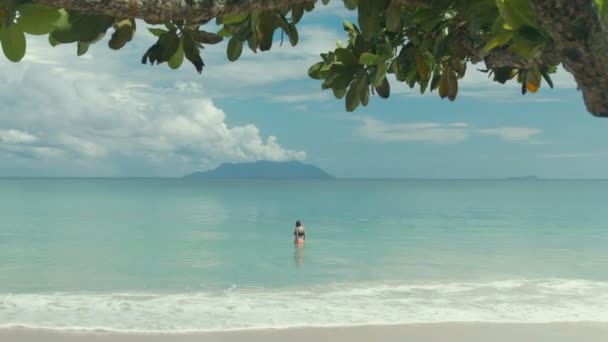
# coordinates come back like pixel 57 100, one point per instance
pixel 448 332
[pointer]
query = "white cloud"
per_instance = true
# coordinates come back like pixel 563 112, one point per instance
pixel 437 133
pixel 14 136
pixel 299 98
pixel 511 133
pixel 412 132
pixel 77 115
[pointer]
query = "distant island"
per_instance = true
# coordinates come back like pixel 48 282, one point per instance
pixel 263 170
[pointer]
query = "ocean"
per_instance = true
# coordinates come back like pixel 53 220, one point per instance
pixel 186 255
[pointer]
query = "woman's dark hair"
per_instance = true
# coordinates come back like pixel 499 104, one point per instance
pixel 298 223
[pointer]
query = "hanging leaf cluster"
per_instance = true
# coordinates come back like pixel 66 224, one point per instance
pixel 257 29
pixel 179 40
pixel 429 47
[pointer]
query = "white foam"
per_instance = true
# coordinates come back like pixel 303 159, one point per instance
pixel 548 300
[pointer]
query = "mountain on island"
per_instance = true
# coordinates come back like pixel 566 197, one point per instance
pixel 264 170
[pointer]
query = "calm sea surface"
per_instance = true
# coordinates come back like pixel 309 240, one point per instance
pixel 177 255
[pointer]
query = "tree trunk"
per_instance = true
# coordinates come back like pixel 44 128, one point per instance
pixel 581 39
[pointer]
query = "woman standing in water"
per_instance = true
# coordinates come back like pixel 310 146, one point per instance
pixel 299 234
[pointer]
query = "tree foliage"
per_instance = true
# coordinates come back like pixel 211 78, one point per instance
pixel 426 45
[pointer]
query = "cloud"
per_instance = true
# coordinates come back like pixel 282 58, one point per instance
pixel 14 136
pixel 96 117
pixel 299 98
pixel 511 133
pixel 413 132
pixel 437 133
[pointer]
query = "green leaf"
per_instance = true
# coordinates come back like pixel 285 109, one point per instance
pixel 393 19
pixel 517 12
pixel 314 71
pixel 443 45
pixel 342 79
pixel 82 27
pixel 547 78
pixel 235 18
pixel 421 66
pixel 443 83
pixel 498 41
pixel 123 33
pixel 252 42
pixel 164 48
pixel 178 57
pixel 364 95
pixel 83 47
pixel 205 37
pixel 193 53
pixel 224 33
pixel 37 19
pixel 265 27
pixel 309 6
pixel 346 56
pixel 380 74
pixel 90 28
pixel 350 27
pixel 170 26
pixel 157 31
pixel 350 4
pixel 384 89
pixel 502 75
pixel 435 80
pixel 352 98
pixel 368 58
pixel 169 44
pixel 362 84
pixel 527 41
pixel 294 37
pixel 54 42
pixel 296 14
pixel 13 42
pixel 369 17
pixel 234 49
pixel 452 86
pixel 339 93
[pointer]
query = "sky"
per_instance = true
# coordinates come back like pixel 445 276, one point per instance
pixel 107 115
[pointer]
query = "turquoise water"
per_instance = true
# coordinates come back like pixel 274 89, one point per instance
pixel 185 255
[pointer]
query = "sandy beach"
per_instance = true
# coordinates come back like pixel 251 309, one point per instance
pixel 453 332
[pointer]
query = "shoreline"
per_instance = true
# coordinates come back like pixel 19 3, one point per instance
pixel 423 332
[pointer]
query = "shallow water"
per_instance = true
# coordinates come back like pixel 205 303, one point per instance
pixel 188 255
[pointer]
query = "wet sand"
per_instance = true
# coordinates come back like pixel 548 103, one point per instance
pixel 431 332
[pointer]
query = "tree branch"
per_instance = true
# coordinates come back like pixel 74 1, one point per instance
pixel 581 39
pixel 158 11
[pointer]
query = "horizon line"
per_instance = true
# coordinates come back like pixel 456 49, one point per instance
pixel 508 178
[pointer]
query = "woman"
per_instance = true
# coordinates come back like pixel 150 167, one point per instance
pixel 299 233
